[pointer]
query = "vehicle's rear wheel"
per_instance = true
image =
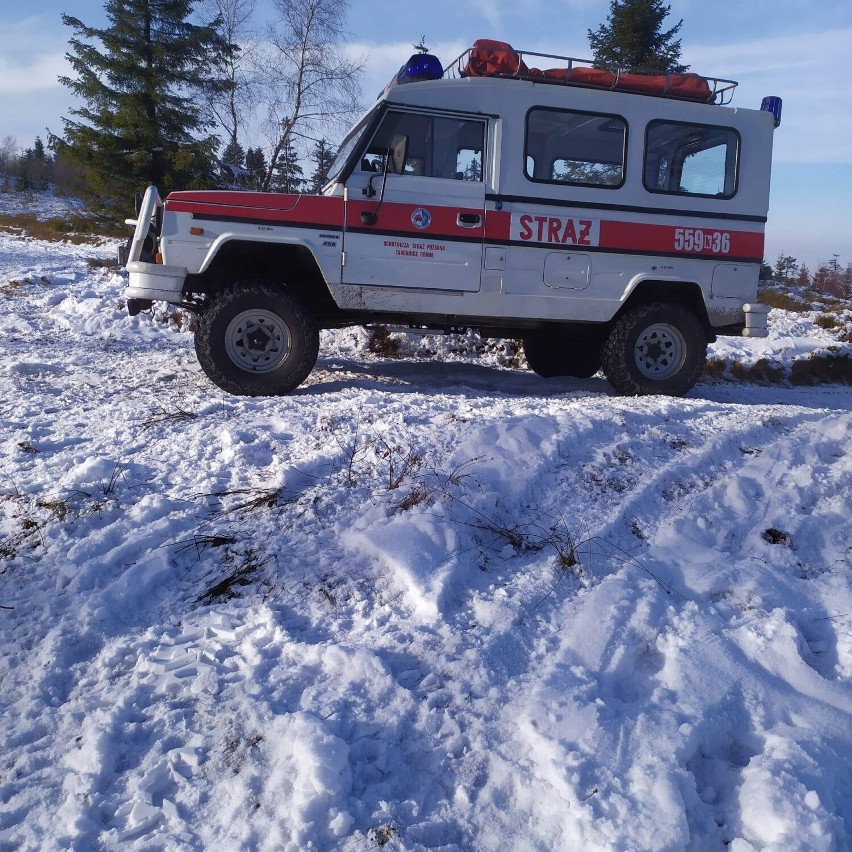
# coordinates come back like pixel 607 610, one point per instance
pixel 256 340
pixel 558 353
pixel 655 348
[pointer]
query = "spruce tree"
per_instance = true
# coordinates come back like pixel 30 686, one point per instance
pixel 323 157
pixel 142 79
pixel 287 176
pixel 786 266
pixel 231 168
pixel 34 168
pixel 633 40
pixel 256 164
pixel 233 154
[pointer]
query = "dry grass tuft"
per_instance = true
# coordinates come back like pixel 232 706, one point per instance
pixel 102 262
pixel 783 301
pixel 242 575
pixel 415 497
pixel 762 371
pixel 72 229
pixel 819 369
pixel 822 369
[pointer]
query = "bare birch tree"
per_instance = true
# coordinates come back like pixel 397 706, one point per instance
pixel 8 158
pixel 311 85
pixel 232 105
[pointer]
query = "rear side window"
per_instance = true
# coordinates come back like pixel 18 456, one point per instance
pixel 691 159
pixel 578 148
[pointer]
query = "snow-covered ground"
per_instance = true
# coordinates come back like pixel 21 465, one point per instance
pixel 418 604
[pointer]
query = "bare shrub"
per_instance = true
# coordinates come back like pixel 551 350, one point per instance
pixel 402 462
pixel 102 262
pixel 381 343
pixel 243 574
pixel 164 415
pixel 417 496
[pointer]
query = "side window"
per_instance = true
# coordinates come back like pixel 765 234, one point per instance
pixel 438 146
pixel 691 159
pixel 579 148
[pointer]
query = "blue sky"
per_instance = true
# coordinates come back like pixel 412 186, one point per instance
pixel 798 49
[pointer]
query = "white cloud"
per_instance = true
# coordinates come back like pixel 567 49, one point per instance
pixel 29 74
pixel 824 52
pixel 809 72
pixel 32 56
pixel 490 12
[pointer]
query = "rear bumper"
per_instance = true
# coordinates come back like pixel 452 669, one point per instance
pixel 155 282
pixel 756 320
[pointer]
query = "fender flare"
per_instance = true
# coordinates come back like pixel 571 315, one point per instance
pixel 648 287
pixel 265 239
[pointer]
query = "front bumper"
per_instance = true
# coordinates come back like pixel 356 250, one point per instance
pixel 154 282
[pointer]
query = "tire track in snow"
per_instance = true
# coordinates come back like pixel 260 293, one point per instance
pixel 628 668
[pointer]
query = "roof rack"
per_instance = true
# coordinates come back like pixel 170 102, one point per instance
pixel 486 58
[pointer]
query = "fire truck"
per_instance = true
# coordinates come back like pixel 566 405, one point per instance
pixel 611 221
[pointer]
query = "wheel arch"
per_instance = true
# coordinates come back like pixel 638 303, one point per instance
pixel 288 265
pixel 680 292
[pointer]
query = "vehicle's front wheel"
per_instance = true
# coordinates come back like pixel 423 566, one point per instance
pixel 655 348
pixel 256 340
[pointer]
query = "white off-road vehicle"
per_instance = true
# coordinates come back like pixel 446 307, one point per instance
pixel 611 221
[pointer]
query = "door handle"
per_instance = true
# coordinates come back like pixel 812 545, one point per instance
pixel 469 220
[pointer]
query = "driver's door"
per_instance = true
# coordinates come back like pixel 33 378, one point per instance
pixel 426 230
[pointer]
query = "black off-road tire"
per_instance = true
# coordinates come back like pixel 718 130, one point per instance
pixel 256 340
pixel 658 348
pixel 556 353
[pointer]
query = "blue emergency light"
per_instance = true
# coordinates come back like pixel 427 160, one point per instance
pixel 421 66
pixel 772 104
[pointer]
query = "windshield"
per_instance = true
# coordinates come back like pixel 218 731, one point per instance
pixel 348 145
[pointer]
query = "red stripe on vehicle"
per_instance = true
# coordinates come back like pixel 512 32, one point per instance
pixel 498 225
pixel 275 208
pixel 440 222
pixel 675 239
pixel 585 231
pixel 415 219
